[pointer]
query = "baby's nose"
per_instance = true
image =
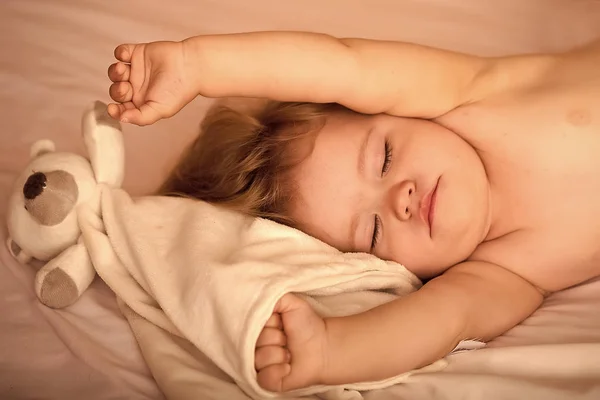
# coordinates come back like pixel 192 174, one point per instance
pixel 401 196
pixel 34 186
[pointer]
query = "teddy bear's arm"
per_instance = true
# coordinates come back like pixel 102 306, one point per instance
pixel 103 139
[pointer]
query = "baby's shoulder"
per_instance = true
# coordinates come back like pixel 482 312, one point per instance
pixel 547 259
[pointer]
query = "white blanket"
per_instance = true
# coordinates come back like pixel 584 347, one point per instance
pixel 197 284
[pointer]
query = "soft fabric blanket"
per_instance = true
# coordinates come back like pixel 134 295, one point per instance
pixel 197 284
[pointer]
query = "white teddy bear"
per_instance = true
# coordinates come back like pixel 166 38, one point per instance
pixel 45 201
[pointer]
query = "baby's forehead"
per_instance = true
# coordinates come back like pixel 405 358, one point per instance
pixel 323 211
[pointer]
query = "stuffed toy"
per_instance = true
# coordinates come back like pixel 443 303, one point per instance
pixel 44 204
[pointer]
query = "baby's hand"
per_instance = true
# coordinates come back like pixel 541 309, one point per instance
pixel 291 349
pixel 151 82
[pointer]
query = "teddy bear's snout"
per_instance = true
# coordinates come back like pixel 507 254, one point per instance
pixel 34 186
pixel 50 196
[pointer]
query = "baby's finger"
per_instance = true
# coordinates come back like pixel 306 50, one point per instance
pixel 124 52
pixel 270 355
pixel 289 302
pixel 274 322
pixel 121 92
pixel 116 110
pixel 271 337
pixel 271 378
pixel 119 72
pixel 145 115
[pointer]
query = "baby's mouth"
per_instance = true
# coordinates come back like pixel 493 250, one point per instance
pixel 431 215
pixel 427 209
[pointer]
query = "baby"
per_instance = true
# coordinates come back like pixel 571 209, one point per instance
pixel 480 175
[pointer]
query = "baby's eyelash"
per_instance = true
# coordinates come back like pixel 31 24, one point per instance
pixel 376 233
pixel 388 157
pixel 384 168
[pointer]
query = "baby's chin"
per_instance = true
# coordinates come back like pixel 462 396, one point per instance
pixel 442 254
pixel 428 270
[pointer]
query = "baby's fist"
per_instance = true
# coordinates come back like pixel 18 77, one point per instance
pixel 272 358
pixel 291 349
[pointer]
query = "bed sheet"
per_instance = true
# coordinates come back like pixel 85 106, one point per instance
pixel 53 61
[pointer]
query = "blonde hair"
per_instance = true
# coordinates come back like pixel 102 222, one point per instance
pixel 241 159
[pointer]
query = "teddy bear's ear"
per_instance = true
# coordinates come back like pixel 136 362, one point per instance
pixel 41 147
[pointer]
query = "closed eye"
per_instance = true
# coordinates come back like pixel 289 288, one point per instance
pixel 376 233
pixel 387 161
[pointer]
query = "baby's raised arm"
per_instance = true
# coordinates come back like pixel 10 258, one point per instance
pixel 367 76
pixel 155 80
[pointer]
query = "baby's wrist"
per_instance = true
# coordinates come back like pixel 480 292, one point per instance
pixel 191 54
pixel 212 66
pixel 331 372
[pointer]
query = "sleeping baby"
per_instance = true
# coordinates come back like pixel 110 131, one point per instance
pixel 477 174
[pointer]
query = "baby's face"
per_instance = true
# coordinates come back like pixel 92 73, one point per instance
pixel 405 190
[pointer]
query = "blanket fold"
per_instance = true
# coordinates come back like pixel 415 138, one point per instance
pixel 197 284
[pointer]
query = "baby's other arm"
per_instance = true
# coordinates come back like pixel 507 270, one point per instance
pixel 473 300
pixel 368 76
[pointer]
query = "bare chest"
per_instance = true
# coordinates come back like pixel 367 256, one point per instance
pixel 542 155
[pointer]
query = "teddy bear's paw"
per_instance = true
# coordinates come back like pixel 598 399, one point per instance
pixel 58 290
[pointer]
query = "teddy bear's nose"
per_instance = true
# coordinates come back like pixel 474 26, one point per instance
pixel 34 186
